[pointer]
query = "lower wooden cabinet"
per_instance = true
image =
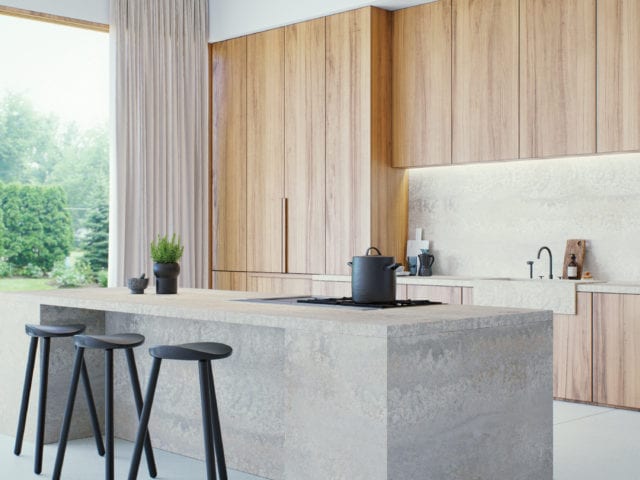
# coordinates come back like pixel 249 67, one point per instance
pixel 572 358
pixel 283 284
pixel 435 293
pixel 616 349
pixel 229 281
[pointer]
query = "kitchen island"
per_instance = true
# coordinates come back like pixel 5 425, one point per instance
pixel 316 392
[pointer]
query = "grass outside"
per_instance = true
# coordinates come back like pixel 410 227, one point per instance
pixel 17 284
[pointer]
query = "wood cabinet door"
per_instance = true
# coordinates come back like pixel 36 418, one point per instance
pixel 279 284
pixel 618 74
pixel 229 281
pixel 422 85
pixel 616 356
pixel 229 154
pixel 572 356
pixel 557 77
pixel 265 151
pixel 449 295
pixel 485 80
pixel 304 153
pixel 348 137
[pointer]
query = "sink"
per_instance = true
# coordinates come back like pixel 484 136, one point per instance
pixel 543 294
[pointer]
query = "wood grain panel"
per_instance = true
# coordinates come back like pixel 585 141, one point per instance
pixel 618 74
pixel 616 352
pixel 331 288
pixel 229 154
pixel 467 295
pixel 348 137
pixel 485 80
pixel 557 77
pixel 265 150
pixel 279 284
pixel 449 295
pixel 304 146
pixel 389 186
pixel 422 85
pixel 572 356
pixel 229 281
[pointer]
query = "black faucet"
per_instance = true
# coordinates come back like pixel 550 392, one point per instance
pixel 550 260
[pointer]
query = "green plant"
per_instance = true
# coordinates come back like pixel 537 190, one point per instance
pixel 164 250
pixel 96 244
pixel 102 278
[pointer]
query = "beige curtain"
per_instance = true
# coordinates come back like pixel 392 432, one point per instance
pixel 159 165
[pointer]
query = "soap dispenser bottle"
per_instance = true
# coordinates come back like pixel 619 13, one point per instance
pixel 572 268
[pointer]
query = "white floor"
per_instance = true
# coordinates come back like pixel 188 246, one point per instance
pixel 590 443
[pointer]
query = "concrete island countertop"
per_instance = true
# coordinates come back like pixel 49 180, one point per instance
pixel 314 392
pixel 227 306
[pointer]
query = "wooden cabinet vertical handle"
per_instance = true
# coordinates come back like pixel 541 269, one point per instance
pixel 285 218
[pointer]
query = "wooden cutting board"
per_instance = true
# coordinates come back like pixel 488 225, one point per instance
pixel 578 248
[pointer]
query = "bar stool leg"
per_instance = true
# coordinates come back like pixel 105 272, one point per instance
pixel 91 406
pixel 137 396
pixel 205 397
pixel 42 402
pixel 217 433
pixel 109 463
pixel 26 391
pixel 68 412
pixel 144 419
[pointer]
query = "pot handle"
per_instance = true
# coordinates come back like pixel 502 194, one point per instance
pixel 350 264
pixel 372 248
pixel 393 266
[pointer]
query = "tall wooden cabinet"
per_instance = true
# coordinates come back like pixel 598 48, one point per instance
pixel 302 175
pixel 304 153
pixel 265 151
pixel 618 74
pixel 557 77
pixel 366 198
pixel 485 80
pixel 422 85
pixel 229 154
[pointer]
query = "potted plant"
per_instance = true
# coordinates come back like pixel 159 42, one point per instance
pixel 165 254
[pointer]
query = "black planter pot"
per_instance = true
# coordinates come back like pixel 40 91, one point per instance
pixel 166 277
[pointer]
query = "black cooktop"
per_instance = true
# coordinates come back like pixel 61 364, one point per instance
pixel 348 302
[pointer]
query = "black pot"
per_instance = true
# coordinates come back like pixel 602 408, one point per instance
pixel 166 277
pixel 373 278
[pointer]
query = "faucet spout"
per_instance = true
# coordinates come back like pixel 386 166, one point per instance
pixel 550 260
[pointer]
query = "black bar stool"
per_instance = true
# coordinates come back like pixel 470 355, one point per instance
pixel 203 352
pixel 45 333
pixel 108 343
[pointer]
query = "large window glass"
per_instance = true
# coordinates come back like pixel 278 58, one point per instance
pixel 54 155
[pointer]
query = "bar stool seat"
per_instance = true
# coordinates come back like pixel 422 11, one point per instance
pixel 108 343
pixel 192 351
pixel 45 333
pixel 203 353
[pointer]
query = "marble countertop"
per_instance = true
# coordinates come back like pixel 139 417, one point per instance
pixel 223 306
pixel 632 288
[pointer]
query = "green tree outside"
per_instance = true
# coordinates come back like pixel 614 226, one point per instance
pixel 37 225
pixel 96 244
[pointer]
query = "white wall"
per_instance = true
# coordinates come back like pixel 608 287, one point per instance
pixel 489 219
pixel 91 10
pixel 233 18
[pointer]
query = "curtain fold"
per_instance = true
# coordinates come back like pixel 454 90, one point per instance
pixel 159 162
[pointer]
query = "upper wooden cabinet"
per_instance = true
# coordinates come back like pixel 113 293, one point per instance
pixel 618 75
pixel 557 77
pixel 422 85
pixel 304 157
pixel 229 154
pixel 485 80
pixel 265 151
pixel 366 198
